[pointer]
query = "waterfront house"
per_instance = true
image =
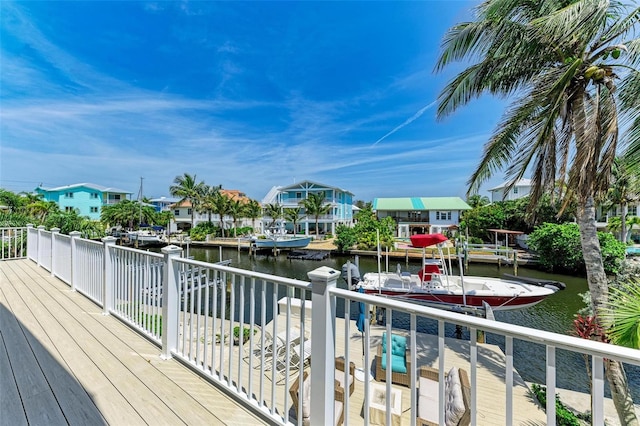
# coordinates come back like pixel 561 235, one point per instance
pixel 420 215
pixel 522 188
pixel 87 199
pixel 291 196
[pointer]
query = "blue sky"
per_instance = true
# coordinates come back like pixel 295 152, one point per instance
pixel 246 95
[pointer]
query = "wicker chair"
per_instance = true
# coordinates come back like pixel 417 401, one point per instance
pixel 397 377
pixel 338 393
pixel 428 396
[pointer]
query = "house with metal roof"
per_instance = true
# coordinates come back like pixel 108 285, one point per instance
pixel 502 192
pixel 87 199
pixel 341 201
pixel 421 215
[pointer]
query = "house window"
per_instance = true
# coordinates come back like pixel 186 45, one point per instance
pixel 68 195
pixel 189 212
pixel 94 210
pixel 176 212
pixel 632 211
pixel 299 195
pixel 443 215
pixel 94 195
pixel 68 209
pixel 515 189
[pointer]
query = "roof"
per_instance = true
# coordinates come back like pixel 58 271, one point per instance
pixel 310 185
pixel 164 200
pixel 233 194
pixel 521 182
pixel 420 203
pixel 86 185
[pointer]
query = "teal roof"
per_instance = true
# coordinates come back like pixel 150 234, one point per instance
pixel 420 203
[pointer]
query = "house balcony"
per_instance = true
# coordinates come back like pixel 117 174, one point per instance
pixel 122 367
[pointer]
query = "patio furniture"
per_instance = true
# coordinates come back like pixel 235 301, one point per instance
pixel 306 399
pixel 268 349
pixel 400 360
pixel 457 390
pixel 378 405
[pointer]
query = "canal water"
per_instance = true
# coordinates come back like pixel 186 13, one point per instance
pixel 556 313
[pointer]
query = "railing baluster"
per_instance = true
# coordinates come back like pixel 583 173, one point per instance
pixel 509 379
pixel 551 385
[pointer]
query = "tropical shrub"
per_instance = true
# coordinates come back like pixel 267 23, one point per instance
pixel 201 230
pixel 558 248
pixel 564 417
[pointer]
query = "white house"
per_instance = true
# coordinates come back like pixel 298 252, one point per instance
pixel 522 188
pixel 421 215
pixel 290 196
pixel 182 213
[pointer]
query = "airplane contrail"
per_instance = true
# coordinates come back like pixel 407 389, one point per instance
pixel 409 121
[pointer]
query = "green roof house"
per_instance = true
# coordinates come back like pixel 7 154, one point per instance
pixel 421 215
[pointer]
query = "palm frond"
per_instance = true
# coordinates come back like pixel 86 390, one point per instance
pixel 621 315
pixel 619 28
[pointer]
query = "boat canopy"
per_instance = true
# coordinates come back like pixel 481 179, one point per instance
pixel 426 240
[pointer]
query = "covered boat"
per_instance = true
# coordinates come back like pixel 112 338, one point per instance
pixel 435 284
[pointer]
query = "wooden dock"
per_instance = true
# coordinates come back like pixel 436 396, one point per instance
pixel 63 362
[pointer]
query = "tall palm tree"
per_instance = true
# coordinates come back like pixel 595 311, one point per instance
pixel 235 210
pixel 221 204
pixel 293 215
pixel 274 211
pixel 207 199
pixel 624 189
pixel 315 206
pixel 188 189
pixel 253 210
pixel 570 66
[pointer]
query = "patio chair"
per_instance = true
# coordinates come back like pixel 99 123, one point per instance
pixel 339 395
pixel 268 349
pixel 400 360
pixel 457 390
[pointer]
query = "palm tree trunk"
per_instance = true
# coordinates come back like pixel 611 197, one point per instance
pixel 623 222
pixel 598 287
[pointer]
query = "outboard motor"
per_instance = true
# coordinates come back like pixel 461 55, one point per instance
pixel 355 274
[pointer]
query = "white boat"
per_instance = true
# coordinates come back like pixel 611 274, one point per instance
pixel 432 285
pixel 146 237
pixel 276 237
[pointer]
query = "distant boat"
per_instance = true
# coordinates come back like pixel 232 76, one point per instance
pixel 147 236
pixel 276 237
pixel 430 285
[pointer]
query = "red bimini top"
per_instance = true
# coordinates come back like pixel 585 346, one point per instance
pixel 426 240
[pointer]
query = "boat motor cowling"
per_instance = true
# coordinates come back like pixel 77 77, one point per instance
pixel 355 274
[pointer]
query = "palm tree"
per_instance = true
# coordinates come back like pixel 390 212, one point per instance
pixel 188 189
pixel 625 189
pixel 221 204
pixel 559 60
pixel 315 206
pixel 621 315
pixel 235 210
pixel 477 200
pixel 253 210
pixel 207 199
pixel 293 215
pixel 274 211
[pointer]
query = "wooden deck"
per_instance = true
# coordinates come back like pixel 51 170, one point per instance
pixel 63 362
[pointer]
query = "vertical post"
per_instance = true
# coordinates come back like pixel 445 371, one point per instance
pixel 170 300
pixel 515 262
pixel 54 232
pixel 39 252
pixel 107 285
pixel 323 330
pixel 74 257
pixel 31 251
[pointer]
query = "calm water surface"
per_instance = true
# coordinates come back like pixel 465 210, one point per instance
pixel 555 314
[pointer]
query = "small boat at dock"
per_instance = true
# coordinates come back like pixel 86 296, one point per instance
pixel 276 237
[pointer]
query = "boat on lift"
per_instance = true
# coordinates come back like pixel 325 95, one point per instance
pixel 435 284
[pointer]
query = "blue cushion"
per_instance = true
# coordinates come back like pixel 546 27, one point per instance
pixel 398 352
pixel 398 363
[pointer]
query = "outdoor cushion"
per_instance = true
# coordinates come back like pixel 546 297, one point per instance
pixel 428 398
pixel 306 398
pixel 398 353
pixel 454 403
pixel 339 375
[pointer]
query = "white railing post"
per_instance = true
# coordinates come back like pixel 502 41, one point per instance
pixel 170 300
pixel 54 232
pixel 32 250
pixel 74 261
pixel 323 330
pixel 39 252
pixel 107 286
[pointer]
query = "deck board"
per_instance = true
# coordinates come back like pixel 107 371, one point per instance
pixel 104 372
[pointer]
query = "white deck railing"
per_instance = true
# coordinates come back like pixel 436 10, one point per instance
pixel 13 243
pixel 191 308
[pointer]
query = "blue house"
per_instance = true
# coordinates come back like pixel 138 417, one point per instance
pixel 290 196
pixel 86 199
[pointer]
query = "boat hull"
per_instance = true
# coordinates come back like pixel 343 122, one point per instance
pixel 497 303
pixel 282 243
